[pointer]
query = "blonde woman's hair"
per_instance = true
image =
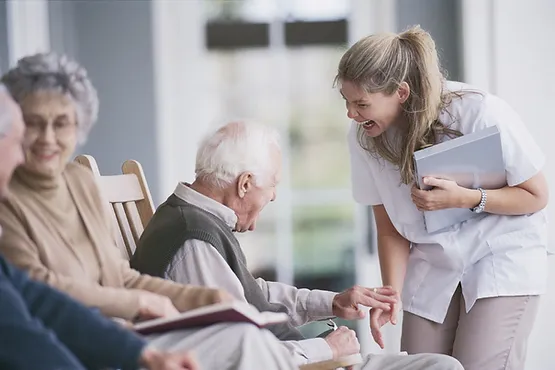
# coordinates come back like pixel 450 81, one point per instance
pixel 380 63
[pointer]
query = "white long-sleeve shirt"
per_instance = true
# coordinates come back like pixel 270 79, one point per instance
pixel 198 263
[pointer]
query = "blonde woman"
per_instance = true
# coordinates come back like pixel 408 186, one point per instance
pixel 472 290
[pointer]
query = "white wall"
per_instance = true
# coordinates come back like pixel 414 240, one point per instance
pixel 524 75
pixel 182 105
pixel 113 40
pixel 510 48
pixel 441 18
pixel 23 39
pixel 4 55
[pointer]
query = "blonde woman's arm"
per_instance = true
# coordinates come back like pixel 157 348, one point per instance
pixel 393 252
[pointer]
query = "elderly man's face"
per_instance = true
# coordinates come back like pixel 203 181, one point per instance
pixel 253 197
pixel 11 152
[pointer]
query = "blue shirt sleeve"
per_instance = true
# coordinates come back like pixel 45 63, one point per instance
pixel 44 326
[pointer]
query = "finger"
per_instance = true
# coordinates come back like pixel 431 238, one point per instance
pixel 190 363
pixel 379 339
pixel 385 290
pixel 417 193
pixel 186 360
pixel 375 314
pixel 420 193
pixel 361 314
pixel 382 294
pixel 394 311
pixel 435 182
pixel 420 203
pixel 375 328
pixel 418 206
pixel 391 298
pixel 376 332
pixel 369 301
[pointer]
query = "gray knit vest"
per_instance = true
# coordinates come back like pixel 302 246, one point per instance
pixel 177 221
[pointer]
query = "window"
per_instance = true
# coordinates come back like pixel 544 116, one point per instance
pixel 275 61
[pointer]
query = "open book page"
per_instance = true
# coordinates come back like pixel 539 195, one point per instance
pixel 217 313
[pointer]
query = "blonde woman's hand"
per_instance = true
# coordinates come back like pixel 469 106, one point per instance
pixel 444 194
pixel 152 306
pixel 346 304
pixel 379 317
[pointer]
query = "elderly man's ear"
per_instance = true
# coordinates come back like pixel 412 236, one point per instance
pixel 244 184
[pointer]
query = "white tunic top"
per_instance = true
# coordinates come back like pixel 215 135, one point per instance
pixel 490 255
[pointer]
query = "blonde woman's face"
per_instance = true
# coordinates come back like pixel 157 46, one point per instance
pixel 51 132
pixel 374 112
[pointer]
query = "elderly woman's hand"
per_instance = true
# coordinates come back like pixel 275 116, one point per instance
pixel 221 296
pixel 444 194
pixel 152 306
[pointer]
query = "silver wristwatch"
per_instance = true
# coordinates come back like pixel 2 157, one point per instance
pixel 480 207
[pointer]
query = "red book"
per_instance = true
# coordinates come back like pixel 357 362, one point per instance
pixel 236 311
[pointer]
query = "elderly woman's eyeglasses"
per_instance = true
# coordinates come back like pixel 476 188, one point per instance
pixel 61 126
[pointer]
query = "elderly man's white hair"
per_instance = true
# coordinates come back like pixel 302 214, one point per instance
pixel 236 148
pixel 5 112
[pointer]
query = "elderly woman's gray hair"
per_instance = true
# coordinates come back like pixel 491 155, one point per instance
pixel 236 148
pixel 48 71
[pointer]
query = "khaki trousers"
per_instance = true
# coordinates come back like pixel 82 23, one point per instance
pixel 424 361
pixel 492 336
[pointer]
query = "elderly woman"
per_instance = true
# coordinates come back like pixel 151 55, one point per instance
pixel 54 225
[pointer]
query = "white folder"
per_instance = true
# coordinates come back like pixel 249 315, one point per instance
pixel 473 161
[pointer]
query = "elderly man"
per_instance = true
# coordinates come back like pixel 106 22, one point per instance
pixel 190 240
pixel 41 327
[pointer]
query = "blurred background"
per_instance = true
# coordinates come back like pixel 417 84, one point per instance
pixel 169 70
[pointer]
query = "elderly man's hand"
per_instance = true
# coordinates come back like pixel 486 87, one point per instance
pixel 343 342
pixel 345 304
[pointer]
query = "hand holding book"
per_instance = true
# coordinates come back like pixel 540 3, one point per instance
pixel 455 169
pixel 444 194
